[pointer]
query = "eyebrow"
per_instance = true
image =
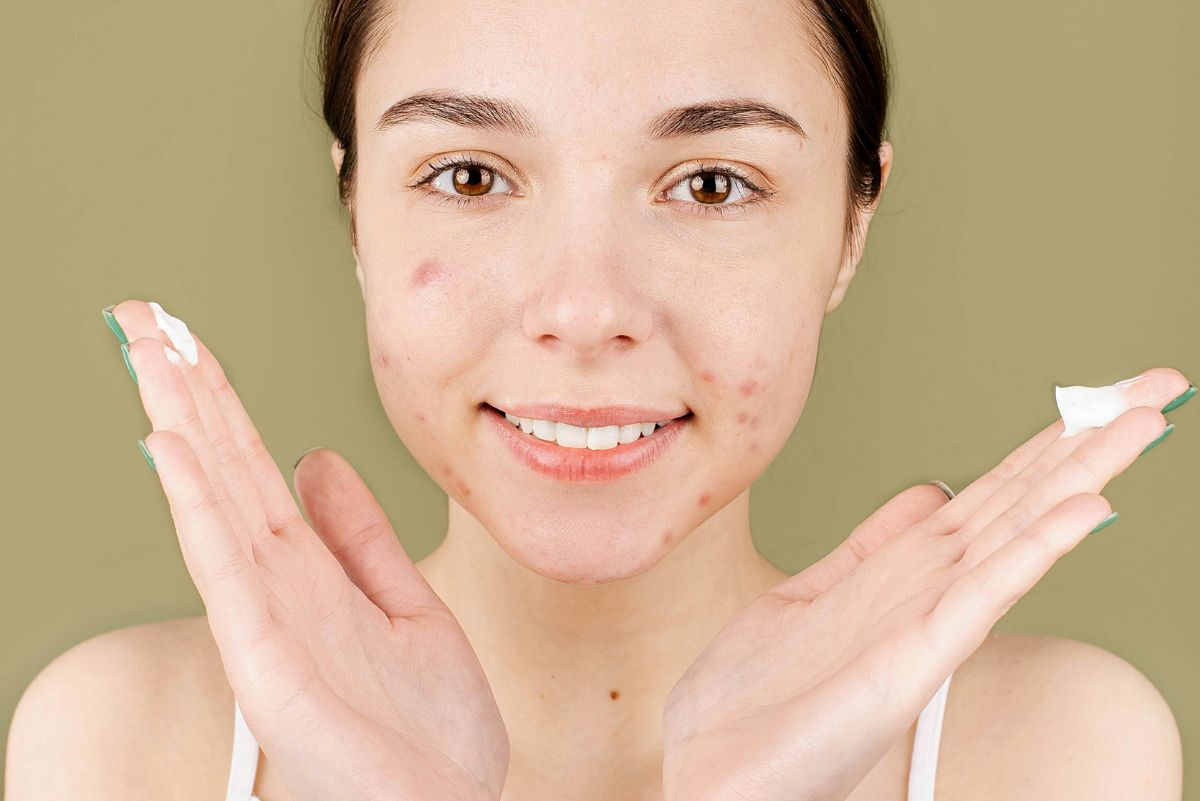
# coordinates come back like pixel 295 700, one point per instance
pixel 486 113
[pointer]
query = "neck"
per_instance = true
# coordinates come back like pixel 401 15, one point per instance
pixel 580 671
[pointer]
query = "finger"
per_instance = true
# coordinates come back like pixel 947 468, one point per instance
pixel 348 519
pixel 988 496
pixel 902 511
pixel 170 405
pixel 977 599
pixel 226 578
pixel 1086 469
pixel 239 438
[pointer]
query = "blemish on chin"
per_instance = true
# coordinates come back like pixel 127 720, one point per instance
pixel 703 499
pixel 428 271
pixel 667 536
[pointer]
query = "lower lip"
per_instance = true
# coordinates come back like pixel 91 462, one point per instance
pixel 584 464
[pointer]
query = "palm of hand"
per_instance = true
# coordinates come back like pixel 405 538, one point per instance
pixel 803 691
pixel 744 705
pixel 350 671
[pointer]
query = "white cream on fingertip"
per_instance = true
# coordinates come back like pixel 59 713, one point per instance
pixel 172 356
pixel 1091 407
pixel 177 331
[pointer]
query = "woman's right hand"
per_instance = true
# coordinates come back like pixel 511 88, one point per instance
pixel 354 677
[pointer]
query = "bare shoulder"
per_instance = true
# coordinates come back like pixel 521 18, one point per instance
pixel 143 711
pixel 1050 717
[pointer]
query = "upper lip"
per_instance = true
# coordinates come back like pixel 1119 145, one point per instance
pixel 591 416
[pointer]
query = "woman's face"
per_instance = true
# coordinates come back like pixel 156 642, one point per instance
pixel 588 263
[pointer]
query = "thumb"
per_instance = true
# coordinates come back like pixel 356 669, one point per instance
pixel 345 515
pixel 905 509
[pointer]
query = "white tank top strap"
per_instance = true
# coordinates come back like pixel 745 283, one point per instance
pixel 923 771
pixel 244 765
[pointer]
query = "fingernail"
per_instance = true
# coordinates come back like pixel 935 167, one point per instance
pixel 1170 427
pixel 305 453
pixel 128 364
pixel 1182 399
pixel 111 319
pixel 944 487
pixel 1108 521
pixel 146 452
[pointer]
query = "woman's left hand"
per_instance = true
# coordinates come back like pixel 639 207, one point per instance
pixel 804 690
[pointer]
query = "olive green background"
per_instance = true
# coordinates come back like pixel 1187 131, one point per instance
pixel 1038 229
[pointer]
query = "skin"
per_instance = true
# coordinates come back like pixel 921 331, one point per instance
pixel 584 623
pixel 595 298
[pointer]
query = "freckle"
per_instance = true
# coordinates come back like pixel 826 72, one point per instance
pixel 748 386
pixel 426 273
pixel 704 499
pixel 614 695
pixel 743 417
pixel 708 376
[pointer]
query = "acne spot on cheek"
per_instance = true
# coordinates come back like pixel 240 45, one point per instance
pixel 753 447
pixel 427 272
pixel 743 417
pixel 667 536
pixel 749 386
pixel 421 417
pixel 703 499
pixel 708 375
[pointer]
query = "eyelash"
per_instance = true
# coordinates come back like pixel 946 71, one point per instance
pixel 758 194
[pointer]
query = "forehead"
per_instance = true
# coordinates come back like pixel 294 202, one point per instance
pixel 606 65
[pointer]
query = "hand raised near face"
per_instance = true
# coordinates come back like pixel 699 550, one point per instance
pixel 803 692
pixel 352 674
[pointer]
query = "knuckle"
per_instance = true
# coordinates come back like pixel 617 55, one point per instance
pixel 1085 465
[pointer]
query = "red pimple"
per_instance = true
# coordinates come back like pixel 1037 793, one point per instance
pixel 704 498
pixel 426 273
pixel 748 386
pixel 743 417
pixel 666 536
pixel 708 375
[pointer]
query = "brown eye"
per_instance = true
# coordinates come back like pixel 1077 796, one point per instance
pixel 709 186
pixel 472 179
pixel 716 188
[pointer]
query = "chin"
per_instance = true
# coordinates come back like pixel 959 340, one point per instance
pixel 585 549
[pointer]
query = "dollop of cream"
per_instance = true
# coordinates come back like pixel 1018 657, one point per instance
pixel 1091 407
pixel 177 332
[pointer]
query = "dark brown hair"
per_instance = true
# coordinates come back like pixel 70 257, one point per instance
pixel 849 41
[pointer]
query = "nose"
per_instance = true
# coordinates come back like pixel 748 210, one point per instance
pixel 589 300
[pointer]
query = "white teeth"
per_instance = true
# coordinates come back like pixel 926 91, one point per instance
pixel 596 439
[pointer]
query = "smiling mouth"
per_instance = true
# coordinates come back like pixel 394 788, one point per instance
pixel 595 437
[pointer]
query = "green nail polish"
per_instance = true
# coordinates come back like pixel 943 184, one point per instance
pixel 146 452
pixel 1170 427
pixel 128 364
pixel 111 319
pixel 1182 399
pixel 1108 521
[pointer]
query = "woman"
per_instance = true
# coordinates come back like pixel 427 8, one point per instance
pixel 605 218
